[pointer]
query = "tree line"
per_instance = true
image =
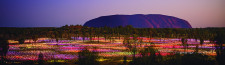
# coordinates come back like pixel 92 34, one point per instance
pixel 67 32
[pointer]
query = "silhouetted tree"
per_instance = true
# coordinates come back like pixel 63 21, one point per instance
pixel 132 44
pixel 220 50
pixel 21 40
pixel 86 57
pixel 149 56
pixel 196 48
pixel 125 60
pixel 40 59
pixel 201 41
pixel 84 32
pixel 35 38
pixel 4 46
pixel 184 43
pixel 189 59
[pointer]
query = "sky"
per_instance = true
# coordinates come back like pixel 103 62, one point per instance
pixel 57 13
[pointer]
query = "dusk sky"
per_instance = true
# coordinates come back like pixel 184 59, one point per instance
pixel 56 13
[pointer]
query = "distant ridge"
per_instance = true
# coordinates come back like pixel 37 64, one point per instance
pixel 139 21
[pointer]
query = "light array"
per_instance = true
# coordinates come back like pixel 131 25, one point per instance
pixel 68 49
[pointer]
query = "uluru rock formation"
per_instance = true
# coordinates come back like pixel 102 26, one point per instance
pixel 139 21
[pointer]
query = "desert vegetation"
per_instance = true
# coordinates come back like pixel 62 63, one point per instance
pixel 80 45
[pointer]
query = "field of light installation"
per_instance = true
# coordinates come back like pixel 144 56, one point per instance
pixel 110 46
pixel 66 50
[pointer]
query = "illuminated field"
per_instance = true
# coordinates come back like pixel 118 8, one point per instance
pixel 68 49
